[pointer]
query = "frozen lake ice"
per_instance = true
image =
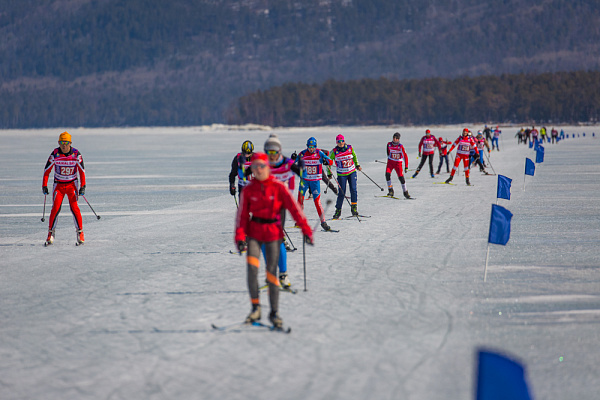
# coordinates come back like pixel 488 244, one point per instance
pixel 396 305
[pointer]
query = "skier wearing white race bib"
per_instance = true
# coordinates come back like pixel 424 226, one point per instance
pixel 428 144
pixel 464 145
pixel 396 157
pixel 313 160
pixel 67 162
pixel 346 165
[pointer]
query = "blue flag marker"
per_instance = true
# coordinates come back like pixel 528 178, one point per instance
pixel 539 154
pixel 530 144
pixel 529 170
pixel 499 377
pixel 499 231
pixel 529 167
pixel 503 191
pixel 499 225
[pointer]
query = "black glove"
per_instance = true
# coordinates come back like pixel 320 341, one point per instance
pixel 406 169
pixel 232 190
pixel 241 245
pixel 307 240
pixel 45 190
pixel 330 176
pixel 294 155
pixel 82 190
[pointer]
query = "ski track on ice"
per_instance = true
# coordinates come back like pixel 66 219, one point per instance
pixel 395 305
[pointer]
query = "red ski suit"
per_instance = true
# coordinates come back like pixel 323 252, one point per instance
pixel 464 144
pixel 260 208
pixel 66 167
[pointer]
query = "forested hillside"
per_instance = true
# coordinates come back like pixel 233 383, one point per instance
pixel 184 62
pixel 541 98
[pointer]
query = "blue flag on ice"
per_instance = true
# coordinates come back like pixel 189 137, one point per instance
pixel 529 167
pixel 499 377
pixel 530 144
pixel 499 225
pixel 503 191
pixel 539 154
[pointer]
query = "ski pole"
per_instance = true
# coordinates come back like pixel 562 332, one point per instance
pixel 236 203
pixel 382 162
pixel 44 213
pixel 304 260
pixel 88 203
pixel 288 236
pixel 491 166
pixel 371 180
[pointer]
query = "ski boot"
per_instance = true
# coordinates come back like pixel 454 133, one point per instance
pixel 406 194
pixel 415 174
pixel 338 213
pixel 390 192
pixel 354 209
pixel 449 179
pixel 284 281
pixel 254 314
pixel 432 175
pixel 468 182
pixel 276 320
pixel 80 238
pixel 50 238
pixel 325 226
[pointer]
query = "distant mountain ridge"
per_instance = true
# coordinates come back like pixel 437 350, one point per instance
pixel 184 62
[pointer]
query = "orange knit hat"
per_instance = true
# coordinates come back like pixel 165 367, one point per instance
pixel 64 136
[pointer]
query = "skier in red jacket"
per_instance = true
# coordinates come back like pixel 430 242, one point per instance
pixel 428 144
pixel 463 145
pixel 259 220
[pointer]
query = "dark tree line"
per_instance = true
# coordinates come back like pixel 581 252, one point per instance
pixel 548 97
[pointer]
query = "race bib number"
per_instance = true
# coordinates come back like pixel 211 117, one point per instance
pixel 311 170
pixel 67 170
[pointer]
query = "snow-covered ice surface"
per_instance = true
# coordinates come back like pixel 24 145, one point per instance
pixel 396 304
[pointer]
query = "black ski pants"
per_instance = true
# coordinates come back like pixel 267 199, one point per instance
pixel 425 156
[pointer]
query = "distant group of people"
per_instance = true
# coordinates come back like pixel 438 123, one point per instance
pixel 469 149
pixel 525 135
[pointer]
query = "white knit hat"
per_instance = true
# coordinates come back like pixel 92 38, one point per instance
pixel 273 143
